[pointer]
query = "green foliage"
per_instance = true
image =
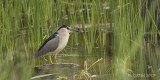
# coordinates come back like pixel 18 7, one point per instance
pixel 26 24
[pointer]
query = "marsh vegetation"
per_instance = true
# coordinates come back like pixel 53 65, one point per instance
pixel 118 39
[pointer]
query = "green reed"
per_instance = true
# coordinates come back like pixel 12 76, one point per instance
pixel 25 25
pixel 130 58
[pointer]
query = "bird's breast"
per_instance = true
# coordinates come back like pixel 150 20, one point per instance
pixel 63 40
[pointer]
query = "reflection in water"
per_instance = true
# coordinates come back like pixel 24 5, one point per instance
pixel 74 70
pixel 43 76
pixel 56 70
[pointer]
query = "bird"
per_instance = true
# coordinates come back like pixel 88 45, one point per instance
pixel 55 43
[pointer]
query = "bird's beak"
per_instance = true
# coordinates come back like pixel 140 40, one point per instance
pixel 73 30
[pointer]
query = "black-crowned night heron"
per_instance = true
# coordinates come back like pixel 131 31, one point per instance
pixel 55 43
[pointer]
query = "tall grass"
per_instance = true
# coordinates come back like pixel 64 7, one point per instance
pixel 26 24
pixel 130 58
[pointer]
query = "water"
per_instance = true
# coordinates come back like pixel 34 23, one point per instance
pixel 71 66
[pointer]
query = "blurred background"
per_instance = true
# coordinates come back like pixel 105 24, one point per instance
pixel 118 39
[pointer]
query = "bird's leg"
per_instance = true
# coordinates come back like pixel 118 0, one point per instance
pixel 55 58
pixel 50 59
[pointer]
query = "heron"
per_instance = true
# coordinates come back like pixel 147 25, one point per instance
pixel 55 43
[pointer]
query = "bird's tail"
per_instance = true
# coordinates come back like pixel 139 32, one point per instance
pixel 35 55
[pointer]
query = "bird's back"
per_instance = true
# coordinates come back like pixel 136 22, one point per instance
pixel 48 46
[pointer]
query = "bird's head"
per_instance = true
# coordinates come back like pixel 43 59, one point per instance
pixel 67 28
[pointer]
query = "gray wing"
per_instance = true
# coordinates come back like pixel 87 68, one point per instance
pixel 50 46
